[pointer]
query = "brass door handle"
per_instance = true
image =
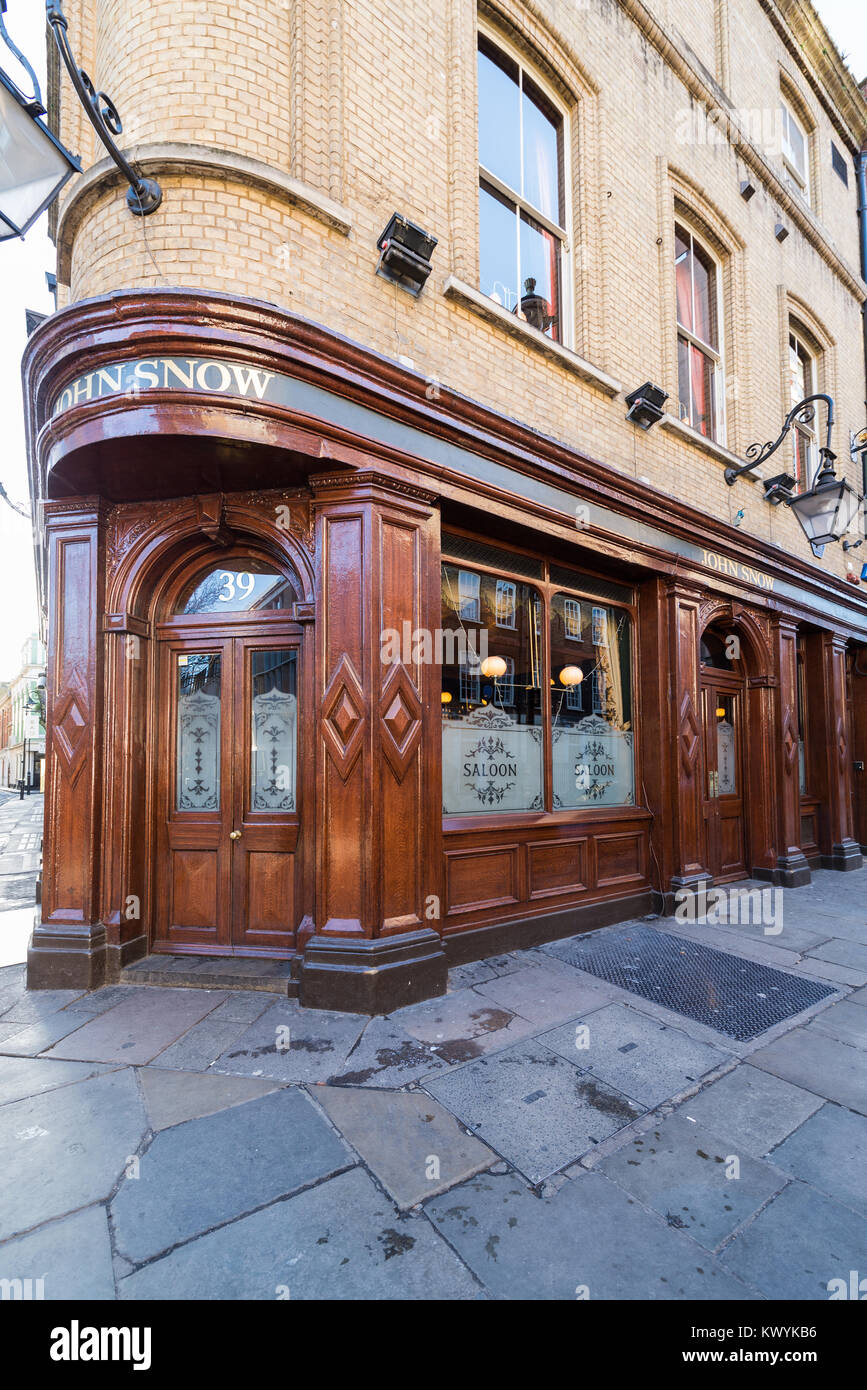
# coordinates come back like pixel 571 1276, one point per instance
pixel 235 835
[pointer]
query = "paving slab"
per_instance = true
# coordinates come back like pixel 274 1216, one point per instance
pixel 828 1152
pixel 32 1038
pixel 590 1235
pixel 845 1021
pixel 413 1145
pixel 136 1030
pixel 537 1110
pixel 8 1029
pixel 819 1064
pixel 834 974
pixel 644 1059
pixel 386 1056
pixel 200 1174
pixel 797 1245
pixel 341 1240
pixel 289 1043
pixel 242 1006
pixel 751 1109
pixel 171 1097
pixel 792 938
pixel 463 1025
pixel 543 996
pixel 65 1149
pixel 72 1256
pixel 201 1046
pixel 849 953
pixel 26 1076
pixel 683 1172
pixel 99 1001
pixel 38 1004
pixel 858 997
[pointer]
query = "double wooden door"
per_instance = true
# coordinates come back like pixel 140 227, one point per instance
pixel 227 793
pixel 723 800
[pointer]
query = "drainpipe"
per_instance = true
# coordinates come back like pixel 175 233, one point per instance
pixel 861 165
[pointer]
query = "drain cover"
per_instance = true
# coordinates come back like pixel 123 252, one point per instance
pixel 735 996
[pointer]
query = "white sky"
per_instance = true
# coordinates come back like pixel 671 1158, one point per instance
pixel 22 286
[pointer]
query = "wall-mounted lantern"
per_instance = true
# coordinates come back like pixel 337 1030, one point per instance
pixel 34 165
pixel 828 509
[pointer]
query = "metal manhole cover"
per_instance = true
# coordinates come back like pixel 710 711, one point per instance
pixel 734 996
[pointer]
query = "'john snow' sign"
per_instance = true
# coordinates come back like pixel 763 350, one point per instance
pixel 209 375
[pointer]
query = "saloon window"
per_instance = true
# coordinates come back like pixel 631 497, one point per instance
pixel 507 714
pixel 491 698
pixel 591 705
pixel 522 212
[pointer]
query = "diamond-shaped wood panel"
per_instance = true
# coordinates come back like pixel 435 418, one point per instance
pixel 70 729
pixel 790 741
pixel 400 715
pixel 689 736
pixel 343 717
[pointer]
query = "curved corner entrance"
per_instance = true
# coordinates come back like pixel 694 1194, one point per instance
pixel 226 793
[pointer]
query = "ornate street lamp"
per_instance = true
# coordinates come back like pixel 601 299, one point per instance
pixel 828 508
pixel 34 165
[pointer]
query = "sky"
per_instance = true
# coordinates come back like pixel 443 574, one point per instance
pixel 22 286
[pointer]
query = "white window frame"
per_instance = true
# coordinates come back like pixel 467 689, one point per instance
pixel 469 678
pixel 800 178
pixel 470 595
pixel 806 429
pixel 715 353
pixel 505 617
pixel 572 609
pixel 566 336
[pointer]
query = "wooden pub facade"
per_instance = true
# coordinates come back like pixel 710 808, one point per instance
pixel 379 636
pixel 273 724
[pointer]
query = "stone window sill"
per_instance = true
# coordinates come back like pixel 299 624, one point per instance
pixel 519 328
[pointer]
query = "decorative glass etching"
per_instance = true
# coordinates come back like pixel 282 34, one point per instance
pixel 726 773
pixel 491 763
pixel 274 730
pixel 198 749
pixel 592 739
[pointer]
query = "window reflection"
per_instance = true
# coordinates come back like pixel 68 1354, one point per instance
pixel 238 586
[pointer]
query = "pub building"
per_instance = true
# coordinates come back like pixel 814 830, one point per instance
pixel 610 694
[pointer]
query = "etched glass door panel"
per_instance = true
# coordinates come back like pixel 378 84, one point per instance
pixel 726 755
pixel 198 737
pixel 274 705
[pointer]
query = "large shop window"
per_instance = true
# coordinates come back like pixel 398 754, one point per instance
pixel 699 359
pixel 522 209
pixel 515 704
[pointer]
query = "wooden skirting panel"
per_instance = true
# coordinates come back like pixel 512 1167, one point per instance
pixel 498 875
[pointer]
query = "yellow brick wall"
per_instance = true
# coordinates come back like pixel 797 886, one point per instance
pixel 374 107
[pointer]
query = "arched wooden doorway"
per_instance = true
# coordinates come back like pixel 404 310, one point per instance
pixel 724 752
pixel 226 793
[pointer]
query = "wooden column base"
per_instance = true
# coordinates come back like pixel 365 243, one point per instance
pixel 66 956
pixel 845 857
pixel 792 871
pixel 684 886
pixel 372 975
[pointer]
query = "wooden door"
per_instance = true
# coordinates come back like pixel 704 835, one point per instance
pixel 227 800
pixel 723 797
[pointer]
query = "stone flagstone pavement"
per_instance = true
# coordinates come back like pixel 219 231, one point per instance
pixel 203 1144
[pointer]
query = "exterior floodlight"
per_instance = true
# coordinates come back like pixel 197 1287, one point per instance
pixel 34 165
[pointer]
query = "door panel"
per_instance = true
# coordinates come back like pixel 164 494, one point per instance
pixel 227 801
pixel 723 805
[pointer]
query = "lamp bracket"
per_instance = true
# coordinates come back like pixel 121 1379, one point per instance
pixel 144 195
pixel 803 413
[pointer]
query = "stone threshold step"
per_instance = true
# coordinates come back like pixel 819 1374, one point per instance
pixel 211 972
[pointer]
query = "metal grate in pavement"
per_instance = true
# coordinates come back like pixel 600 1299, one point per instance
pixel 735 996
